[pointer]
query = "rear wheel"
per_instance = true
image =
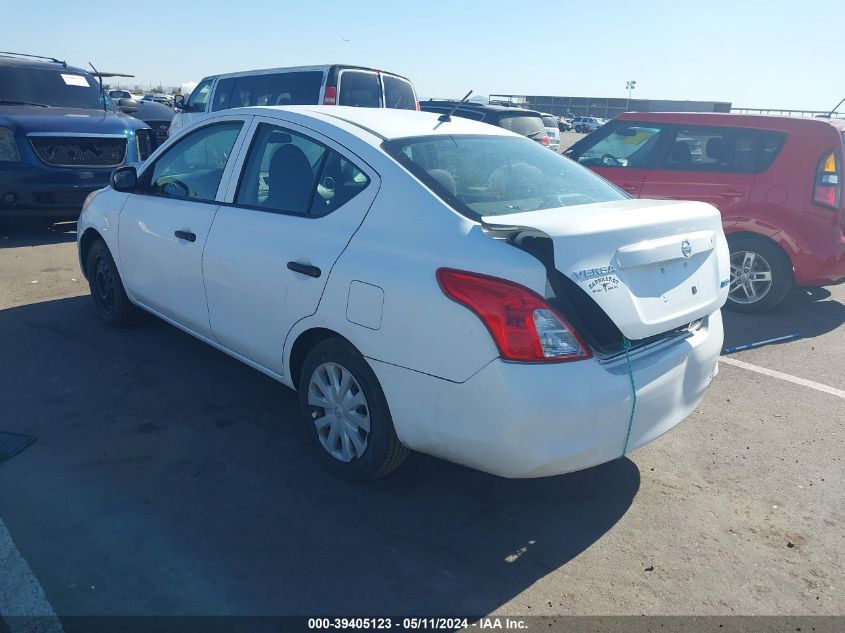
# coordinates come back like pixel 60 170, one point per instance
pixel 761 275
pixel 345 413
pixel 110 301
pixel 578 129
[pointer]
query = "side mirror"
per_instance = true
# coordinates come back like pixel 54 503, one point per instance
pixel 127 106
pixel 124 179
pixel 179 102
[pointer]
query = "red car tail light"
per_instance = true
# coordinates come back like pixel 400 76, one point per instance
pixel 330 96
pixel 545 141
pixel 828 187
pixel 523 326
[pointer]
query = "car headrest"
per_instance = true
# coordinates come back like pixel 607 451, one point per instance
pixel 680 153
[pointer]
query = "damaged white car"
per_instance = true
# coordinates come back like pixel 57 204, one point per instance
pixel 424 283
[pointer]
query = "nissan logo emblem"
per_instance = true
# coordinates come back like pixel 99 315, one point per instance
pixel 686 248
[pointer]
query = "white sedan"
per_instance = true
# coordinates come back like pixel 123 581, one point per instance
pixel 424 283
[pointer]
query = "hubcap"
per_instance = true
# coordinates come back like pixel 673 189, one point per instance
pixel 104 284
pixel 751 277
pixel 339 410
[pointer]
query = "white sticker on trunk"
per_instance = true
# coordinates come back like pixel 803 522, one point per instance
pixel 76 80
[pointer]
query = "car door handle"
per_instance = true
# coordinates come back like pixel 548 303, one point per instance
pixel 732 194
pixel 305 269
pixel 629 188
pixel 186 235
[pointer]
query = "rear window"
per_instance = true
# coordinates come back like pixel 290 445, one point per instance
pixel 550 121
pixel 289 88
pixel 359 89
pixel 526 124
pixel 496 175
pixel 398 93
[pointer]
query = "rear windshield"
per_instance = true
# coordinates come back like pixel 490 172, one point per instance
pixel 496 175
pixel 550 121
pixel 56 88
pixel 289 88
pixel 398 93
pixel 529 125
pixel 360 89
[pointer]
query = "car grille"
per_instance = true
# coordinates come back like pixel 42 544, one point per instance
pixel 65 151
pixel 160 130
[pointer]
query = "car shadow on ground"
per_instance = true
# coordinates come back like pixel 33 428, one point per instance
pixel 808 311
pixel 35 232
pixel 176 480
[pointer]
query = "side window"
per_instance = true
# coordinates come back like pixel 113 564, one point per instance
pixel 770 144
pixel 712 149
pixel 280 172
pixel 193 167
pixel 359 89
pixel 398 93
pixel 339 182
pixel 243 91
pixel 199 97
pixel 627 145
pixel 222 94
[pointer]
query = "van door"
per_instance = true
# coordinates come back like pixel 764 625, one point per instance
pixel 706 163
pixel 623 152
pixel 359 88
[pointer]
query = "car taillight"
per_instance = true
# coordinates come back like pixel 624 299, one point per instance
pixel 523 326
pixel 330 96
pixel 545 141
pixel 828 186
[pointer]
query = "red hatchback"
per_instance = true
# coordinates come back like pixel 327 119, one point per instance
pixel 776 180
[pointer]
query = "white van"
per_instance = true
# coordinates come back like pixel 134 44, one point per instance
pixel 302 85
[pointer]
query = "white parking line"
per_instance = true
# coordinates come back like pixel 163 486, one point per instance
pixel 776 374
pixel 22 600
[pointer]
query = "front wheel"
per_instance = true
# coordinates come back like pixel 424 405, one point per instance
pixel 110 301
pixel 761 275
pixel 345 413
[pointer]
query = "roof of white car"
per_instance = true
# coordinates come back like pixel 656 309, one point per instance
pixel 386 123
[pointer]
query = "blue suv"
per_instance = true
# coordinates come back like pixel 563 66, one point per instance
pixel 60 137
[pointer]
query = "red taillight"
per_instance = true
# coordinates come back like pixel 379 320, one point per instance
pixel 828 185
pixel 545 141
pixel 523 326
pixel 330 96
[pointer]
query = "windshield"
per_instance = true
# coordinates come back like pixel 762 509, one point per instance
pixel 58 88
pixel 496 175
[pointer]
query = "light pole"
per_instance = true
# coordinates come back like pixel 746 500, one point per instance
pixel 630 86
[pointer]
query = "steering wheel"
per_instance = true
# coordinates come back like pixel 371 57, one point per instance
pixel 609 160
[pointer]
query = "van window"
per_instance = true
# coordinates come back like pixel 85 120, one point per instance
pixel 398 93
pixel 289 88
pixel 359 89
pixel 629 145
pixel 222 93
pixel 199 97
pixel 709 148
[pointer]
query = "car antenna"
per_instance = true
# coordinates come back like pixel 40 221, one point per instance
pixel 445 118
pixel 102 90
pixel 832 112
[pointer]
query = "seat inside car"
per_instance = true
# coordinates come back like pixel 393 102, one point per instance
pixel 289 180
pixel 680 154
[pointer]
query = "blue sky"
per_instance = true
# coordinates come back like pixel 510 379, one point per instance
pixel 752 53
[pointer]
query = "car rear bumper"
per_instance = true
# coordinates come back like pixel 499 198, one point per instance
pixel 33 190
pixel 523 420
pixel 824 265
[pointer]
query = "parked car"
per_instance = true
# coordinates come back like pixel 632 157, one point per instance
pixel 552 131
pixel 586 124
pixel 157 115
pixel 776 180
pixel 303 85
pixel 525 122
pixel 115 95
pixel 441 286
pixel 60 137
pixel 564 124
pixel 159 98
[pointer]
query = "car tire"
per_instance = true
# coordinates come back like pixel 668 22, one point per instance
pixel 107 293
pixel 578 129
pixel 345 413
pixel 752 258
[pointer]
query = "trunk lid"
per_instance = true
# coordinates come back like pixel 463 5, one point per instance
pixel 651 265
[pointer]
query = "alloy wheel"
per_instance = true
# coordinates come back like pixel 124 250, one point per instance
pixel 751 277
pixel 339 411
